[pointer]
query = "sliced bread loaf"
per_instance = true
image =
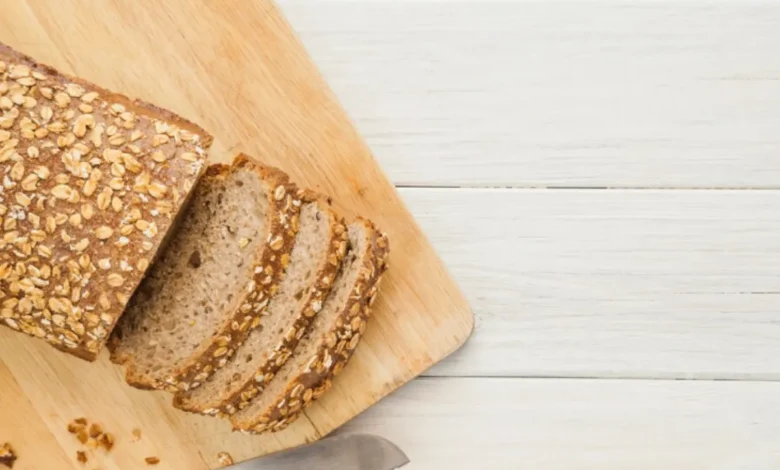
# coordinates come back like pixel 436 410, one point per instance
pixel 320 245
pixel 91 184
pixel 213 281
pixel 330 341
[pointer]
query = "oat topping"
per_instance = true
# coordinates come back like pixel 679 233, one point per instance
pixel 84 180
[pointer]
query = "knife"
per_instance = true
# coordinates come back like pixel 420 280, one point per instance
pixel 344 452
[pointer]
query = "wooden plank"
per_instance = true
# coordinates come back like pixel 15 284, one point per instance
pixel 550 424
pixel 528 93
pixel 241 73
pixel 619 283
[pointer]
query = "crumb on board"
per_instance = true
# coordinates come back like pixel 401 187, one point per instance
pixel 7 455
pixel 81 456
pixel 92 436
pixel 225 459
pixel 75 428
pixel 152 461
pixel 136 435
pixel 107 441
pixel 95 430
pixel 77 425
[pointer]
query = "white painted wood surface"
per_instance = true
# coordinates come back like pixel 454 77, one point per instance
pixel 612 283
pixel 634 328
pixel 534 93
pixel 564 424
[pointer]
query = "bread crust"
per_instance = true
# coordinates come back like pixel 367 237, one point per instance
pixel 245 313
pixel 334 349
pixel 133 105
pixel 337 247
pixel 90 304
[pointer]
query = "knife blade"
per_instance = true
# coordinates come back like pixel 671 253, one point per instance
pixel 344 452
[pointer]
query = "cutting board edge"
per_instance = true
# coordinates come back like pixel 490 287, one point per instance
pixel 461 341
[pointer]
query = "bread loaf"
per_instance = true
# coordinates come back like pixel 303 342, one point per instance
pixel 91 183
pixel 328 345
pixel 213 282
pixel 241 294
pixel 320 245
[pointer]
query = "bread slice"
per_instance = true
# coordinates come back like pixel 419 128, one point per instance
pixel 328 345
pixel 92 182
pixel 213 282
pixel 320 245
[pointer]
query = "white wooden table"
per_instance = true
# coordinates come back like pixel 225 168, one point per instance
pixel 602 179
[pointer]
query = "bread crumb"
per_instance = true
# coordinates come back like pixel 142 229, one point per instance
pixel 91 435
pixel 224 459
pixel 107 441
pixel 152 461
pixel 7 456
pixel 74 428
pixel 77 425
pixel 136 435
pixel 95 430
pixel 81 456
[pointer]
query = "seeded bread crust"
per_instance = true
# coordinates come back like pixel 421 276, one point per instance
pixel 335 347
pixel 269 265
pixel 283 350
pixel 92 182
pixel 133 105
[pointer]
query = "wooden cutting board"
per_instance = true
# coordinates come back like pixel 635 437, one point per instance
pixel 235 67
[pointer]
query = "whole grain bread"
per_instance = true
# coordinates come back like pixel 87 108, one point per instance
pixel 328 345
pixel 320 245
pixel 91 183
pixel 213 282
